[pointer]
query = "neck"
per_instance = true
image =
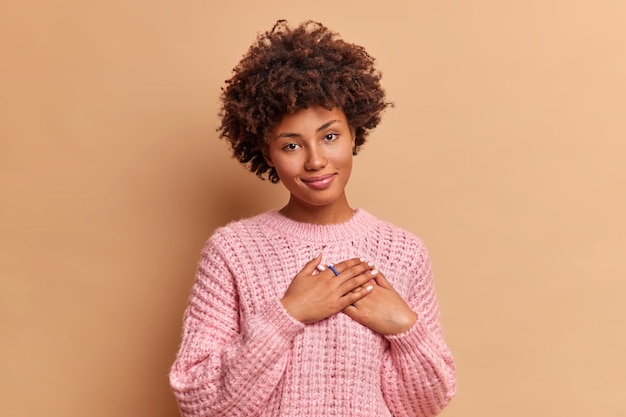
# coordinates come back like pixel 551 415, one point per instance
pixel 338 212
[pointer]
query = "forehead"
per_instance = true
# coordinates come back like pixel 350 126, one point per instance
pixel 308 120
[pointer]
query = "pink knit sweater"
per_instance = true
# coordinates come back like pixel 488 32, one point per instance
pixel 242 354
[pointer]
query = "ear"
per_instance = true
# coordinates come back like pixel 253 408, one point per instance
pixel 353 134
pixel 266 156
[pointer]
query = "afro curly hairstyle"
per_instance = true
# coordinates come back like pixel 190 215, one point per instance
pixel 288 69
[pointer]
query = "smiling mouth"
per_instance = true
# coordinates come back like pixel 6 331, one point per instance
pixel 320 182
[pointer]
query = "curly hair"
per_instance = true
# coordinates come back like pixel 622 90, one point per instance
pixel 286 70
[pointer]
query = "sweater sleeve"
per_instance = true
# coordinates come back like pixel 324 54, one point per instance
pixel 418 373
pixel 222 369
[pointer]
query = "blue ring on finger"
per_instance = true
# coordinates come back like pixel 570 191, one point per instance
pixel 332 268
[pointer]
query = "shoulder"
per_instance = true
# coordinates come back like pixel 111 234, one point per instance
pixel 390 231
pixel 238 226
pixel 245 226
pixel 237 233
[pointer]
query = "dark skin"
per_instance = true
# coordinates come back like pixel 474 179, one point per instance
pixel 313 297
pixel 360 291
pixel 383 310
pixel 317 143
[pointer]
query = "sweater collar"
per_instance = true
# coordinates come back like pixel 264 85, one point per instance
pixel 356 226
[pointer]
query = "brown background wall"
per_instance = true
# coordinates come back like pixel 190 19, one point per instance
pixel 505 153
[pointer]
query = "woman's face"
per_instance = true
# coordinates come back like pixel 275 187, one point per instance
pixel 311 151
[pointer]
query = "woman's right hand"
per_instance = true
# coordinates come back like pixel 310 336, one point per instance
pixel 314 297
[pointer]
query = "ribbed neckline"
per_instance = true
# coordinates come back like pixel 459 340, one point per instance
pixel 360 222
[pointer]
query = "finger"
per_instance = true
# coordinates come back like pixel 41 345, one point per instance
pixel 347 264
pixel 346 267
pixel 352 267
pixel 382 281
pixel 354 296
pixel 350 311
pixel 356 280
pixel 312 264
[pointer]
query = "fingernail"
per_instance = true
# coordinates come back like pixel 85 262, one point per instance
pixel 321 268
pixel 318 255
pixel 374 271
pixel 369 288
pixel 370 264
pixel 362 259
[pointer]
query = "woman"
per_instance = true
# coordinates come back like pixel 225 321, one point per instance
pixel 316 309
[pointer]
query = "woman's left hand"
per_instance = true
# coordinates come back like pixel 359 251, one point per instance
pixel 383 310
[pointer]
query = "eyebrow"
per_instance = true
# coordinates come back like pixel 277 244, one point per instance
pixel 319 129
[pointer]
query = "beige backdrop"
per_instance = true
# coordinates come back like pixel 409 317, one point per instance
pixel 505 153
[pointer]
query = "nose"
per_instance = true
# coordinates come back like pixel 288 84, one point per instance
pixel 316 158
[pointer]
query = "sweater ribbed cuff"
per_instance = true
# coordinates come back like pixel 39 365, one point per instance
pixel 418 334
pixel 280 321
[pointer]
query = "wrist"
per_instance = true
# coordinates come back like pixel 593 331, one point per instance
pixel 290 309
pixel 403 324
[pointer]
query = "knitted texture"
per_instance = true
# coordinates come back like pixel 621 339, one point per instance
pixel 242 354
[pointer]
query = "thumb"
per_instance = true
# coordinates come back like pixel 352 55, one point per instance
pixel 382 281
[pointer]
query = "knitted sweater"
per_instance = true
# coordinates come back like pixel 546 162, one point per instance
pixel 242 354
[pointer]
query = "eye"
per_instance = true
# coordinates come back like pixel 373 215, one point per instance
pixel 290 147
pixel 330 137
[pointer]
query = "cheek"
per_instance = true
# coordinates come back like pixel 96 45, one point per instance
pixel 285 166
pixel 343 157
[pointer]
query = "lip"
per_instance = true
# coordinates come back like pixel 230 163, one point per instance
pixel 319 182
